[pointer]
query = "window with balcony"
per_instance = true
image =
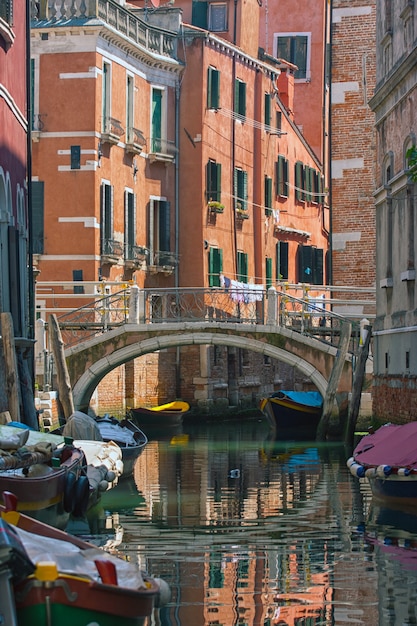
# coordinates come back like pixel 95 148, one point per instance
pixel 310 265
pixel 111 249
pixel 295 48
pixel 215 266
pixel 213 88
pixel 213 181
pixel 134 254
pixel 159 242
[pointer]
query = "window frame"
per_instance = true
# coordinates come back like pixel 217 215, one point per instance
pixel 240 98
pixel 213 88
pixel 215 266
pixel 213 181
pixel 300 75
pixel 214 6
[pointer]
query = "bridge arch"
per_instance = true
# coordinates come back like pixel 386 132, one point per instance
pixel 84 387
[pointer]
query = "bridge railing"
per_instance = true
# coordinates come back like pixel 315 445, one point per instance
pixel 85 310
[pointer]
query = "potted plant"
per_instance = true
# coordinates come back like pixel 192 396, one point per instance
pixel 241 213
pixel 215 206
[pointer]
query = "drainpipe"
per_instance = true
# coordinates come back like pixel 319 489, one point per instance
pixel 234 136
pixel 177 230
pixel 329 15
pixel 29 112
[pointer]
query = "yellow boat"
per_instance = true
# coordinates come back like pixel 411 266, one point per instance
pixel 169 414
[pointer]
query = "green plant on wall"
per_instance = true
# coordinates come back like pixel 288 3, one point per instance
pixel 411 156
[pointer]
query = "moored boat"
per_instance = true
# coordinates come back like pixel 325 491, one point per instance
pixel 129 437
pixel 48 479
pixel 169 414
pixel 387 458
pixel 293 414
pixel 73 582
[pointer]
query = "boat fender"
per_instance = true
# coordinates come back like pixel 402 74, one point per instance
pixel 357 470
pixel 110 476
pixel 81 496
pixel 383 470
pixel 350 461
pixel 404 471
pixel 68 500
pixel 370 472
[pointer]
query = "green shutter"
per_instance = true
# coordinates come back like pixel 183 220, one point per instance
pixel 282 260
pixel 156 120
pixel 215 266
pixel 305 264
pixel 37 217
pixel 236 107
pixel 164 226
pixel 299 181
pixel 75 157
pixel 213 88
pixel 268 272
pixel 242 267
pixel 268 195
pixel 245 190
pixel 318 266
pixel 199 14
pixel 219 182
pixel 267 110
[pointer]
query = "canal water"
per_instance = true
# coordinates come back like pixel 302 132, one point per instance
pixel 252 532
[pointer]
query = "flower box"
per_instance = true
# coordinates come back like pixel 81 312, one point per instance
pixel 215 207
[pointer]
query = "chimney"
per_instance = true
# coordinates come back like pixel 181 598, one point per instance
pixel 285 83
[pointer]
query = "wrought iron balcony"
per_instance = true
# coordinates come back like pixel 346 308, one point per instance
pixel 163 261
pixel 56 12
pixel 135 256
pixel 162 150
pixel 112 131
pixel 135 140
pixel 111 251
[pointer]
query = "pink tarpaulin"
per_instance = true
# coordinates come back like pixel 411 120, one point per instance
pixel 390 445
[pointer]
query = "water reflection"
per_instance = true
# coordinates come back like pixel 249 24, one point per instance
pixel 254 532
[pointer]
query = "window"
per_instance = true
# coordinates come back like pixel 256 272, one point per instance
pixel 240 97
pixel 240 189
pixel 215 266
pixel 281 176
pixel 268 195
pixel 213 181
pixel 388 16
pixel 242 267
pixel 268 272
pixel 130 225
pixel 160 232
pixel 299 172
pixel 106 223
pixel 129 108
pixel 6 11
pixel 267 109
pixel 213 88
pixel 37 217
pixel 295 48
pixel 281 266
pixel 77 276
pixel 75 157
pixel 106 97
pixel 156 130
pixel 310 265
pixel 217 16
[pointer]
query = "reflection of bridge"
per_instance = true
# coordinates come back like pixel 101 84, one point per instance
pixel 118 327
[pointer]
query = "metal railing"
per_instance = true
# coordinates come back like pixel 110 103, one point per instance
pixel 110 305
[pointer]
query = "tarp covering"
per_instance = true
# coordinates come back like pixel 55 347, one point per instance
pixel 392 444
pixel 308 398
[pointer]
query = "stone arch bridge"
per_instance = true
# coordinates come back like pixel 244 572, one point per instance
pixel 91 360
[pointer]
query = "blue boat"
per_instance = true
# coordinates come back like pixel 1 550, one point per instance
pixel 293 414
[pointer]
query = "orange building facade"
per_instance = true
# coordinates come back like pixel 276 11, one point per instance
pixel 166 153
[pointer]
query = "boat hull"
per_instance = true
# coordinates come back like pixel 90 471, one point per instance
pixel 169 415
pixel 290 419
pixel 45 496
pixel 130 452
pixel 395 490
pixel 72 600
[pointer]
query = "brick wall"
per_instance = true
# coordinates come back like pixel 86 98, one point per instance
pixel 353 142
pixel 395 398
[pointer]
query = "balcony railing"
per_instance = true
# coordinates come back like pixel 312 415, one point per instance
pixel 135 140
pixel 154 39
pixel 162 150
pixel 112 130
pixel 111 251
pixel 135 255
pixel 165 260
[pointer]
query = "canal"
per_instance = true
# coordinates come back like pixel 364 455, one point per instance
pixel 252 532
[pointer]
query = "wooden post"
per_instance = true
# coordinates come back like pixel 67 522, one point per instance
pixel 334 381
pixel 10 358
pixel 358 377
pixel 64 383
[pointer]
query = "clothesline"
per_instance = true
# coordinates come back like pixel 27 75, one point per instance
pixel 242 292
